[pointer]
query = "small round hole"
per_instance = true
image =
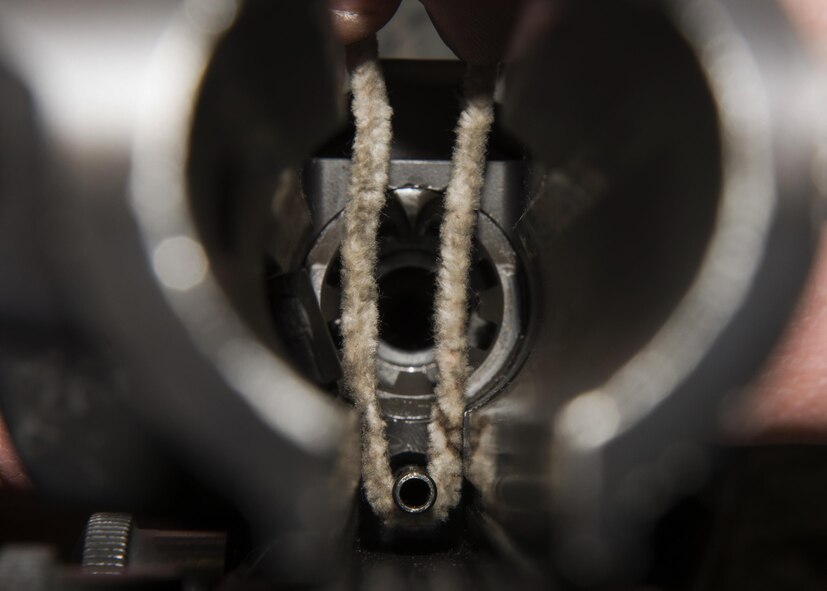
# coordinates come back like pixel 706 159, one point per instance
pixel 414 491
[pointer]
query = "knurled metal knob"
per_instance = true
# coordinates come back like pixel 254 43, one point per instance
pixel 106 543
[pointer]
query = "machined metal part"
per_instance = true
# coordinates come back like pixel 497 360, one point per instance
pixel 408 251
pixel 106 543
pixel 325 179
pixel 114 545
pixel 692 128
pixel 413 490
pixel 116 553
pixel 663 222
pixel 146 78
pixel 406 274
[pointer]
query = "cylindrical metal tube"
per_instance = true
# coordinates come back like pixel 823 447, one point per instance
pixel 413 490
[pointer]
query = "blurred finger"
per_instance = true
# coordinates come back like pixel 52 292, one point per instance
pixel 11 469
pixel 789 400
pixel 478 31
pixel 356 20
pixel 810 16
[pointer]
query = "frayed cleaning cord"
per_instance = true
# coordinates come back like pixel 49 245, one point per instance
pixel 462 202
pixel 360 312
pixel 366 197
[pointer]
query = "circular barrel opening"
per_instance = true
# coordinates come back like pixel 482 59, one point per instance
pixel 406 305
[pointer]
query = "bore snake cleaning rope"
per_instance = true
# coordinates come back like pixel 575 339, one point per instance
pixel 360 316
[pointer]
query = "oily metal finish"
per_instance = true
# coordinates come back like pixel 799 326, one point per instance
pixel 413 490
pixel 408 249
pixel 106 543
pixel 419 172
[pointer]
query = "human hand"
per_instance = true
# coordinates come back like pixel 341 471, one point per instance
pixel 478 31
